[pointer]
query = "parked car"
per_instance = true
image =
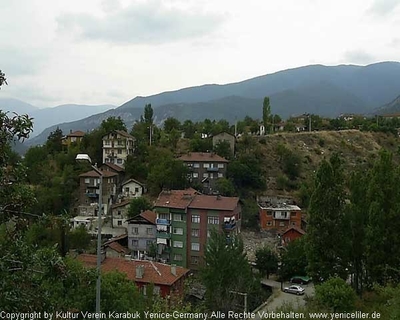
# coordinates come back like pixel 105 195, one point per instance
pixel 294 289
pixel 300 279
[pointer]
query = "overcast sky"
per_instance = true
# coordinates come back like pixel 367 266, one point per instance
pixel 109 51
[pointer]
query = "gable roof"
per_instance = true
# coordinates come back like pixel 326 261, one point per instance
pixel 132 180
pixel 301 231
pixel 224 133
pixel 154 272
pixel 113 166
pixel 178 199
pixel 121 133
pixel 214 202
pixel 77 133
pixel 150 216
pixel 202 157
pixel 121 204
pixel 117 247
pixel 94 174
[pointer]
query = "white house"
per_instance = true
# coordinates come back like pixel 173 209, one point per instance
pixel 132 188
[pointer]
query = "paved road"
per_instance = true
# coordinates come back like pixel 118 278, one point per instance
pixel 279 298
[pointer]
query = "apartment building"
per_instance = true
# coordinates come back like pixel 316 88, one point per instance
pixel 142 233
pixel 117 145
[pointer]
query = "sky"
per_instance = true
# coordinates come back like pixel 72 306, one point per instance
pixel 110 51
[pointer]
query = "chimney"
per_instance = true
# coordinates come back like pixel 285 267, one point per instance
pixel 139 272
pixel 173 269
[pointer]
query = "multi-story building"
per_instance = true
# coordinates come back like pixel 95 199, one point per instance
pixel 119 214
pixel 117 145
pixel 142 233
pixel 279 215
pixel 185 219
pixel 205 168
pixel 89 191
pixel 72 137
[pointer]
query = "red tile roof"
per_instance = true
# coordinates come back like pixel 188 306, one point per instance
pixel 121 204
pixel 118 247
pixel 76 134
pixel 301 231
pixel 94 174
pixel 150 216
pixel 178 199
pixel 114 167
pixel 154 272
pixel 214 202
pixel 202 157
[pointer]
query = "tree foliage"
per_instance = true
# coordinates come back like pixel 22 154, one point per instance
pixel 294 259
pixel 138 205
pixel 266 261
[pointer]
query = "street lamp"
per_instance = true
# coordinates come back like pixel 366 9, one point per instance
pixel 86 159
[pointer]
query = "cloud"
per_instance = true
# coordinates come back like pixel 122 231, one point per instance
pixel 358 57
pixel 383 7
pixel 20 62
pixel 140 22
pixel 395 42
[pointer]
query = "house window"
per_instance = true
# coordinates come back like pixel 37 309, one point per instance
pixel 136 190
pixel 205 175
pixel 195 246
pixel 196 165
pixel 281 224
pixel 269 223
pixel 107 160
pixel 220 165
pixel 149 231
pixel 120 222
pixel 163 216
pixel 195 175
pixel 194 259
pixel 206 165
pixel 87 180
pixel 107 151
pixel 196 233
pixel 135 230
pixel 220 175
pixel 156 290
pixel 127 189
pixel 178 217
pixel 119 151
pixel 107 142
pixel 178 244
pixel 120 143
pixel 213 220
pixel 178 231
pixel 178 257
pixel 119 161
pixel 293 214
pixel 195 218
pixel 135 243
pixel 119 212
pixel 269 213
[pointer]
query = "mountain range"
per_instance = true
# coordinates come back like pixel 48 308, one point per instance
pixel 324 90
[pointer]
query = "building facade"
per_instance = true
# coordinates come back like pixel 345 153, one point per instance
pixel 227 137
pixel 117 145
pixel 142 234
pixel 132 188
pixel 73 137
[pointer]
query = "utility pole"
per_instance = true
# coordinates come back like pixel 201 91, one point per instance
pixel 309 122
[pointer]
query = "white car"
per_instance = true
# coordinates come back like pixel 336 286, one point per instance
pixel 294 289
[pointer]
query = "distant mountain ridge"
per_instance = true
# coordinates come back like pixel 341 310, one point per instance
pixel 324 90
pixel 392 107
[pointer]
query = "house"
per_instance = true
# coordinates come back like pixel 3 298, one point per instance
pixel 168 280
pixel 119 213
pixel 132 188
pixel 205 168
pixel 291 234
pixel 278 215
pixel 142 233
pixel 185 219
pixel 72 137
pixel 89 190
pixel 117 247
pixel 111 167
pixel 117 145
pixel 224 136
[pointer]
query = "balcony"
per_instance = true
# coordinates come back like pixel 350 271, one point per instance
pixel 281 216
pixel 212 169
pixel 163 235
pixel 163 222
pixel 229 226
pixel 92 195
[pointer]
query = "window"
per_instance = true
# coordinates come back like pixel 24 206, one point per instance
pixel 135 230
pixel 136 190
pixel 195 175
pixel 120 222
pixel 119 151
pixel 269 223
pixel 196 233
pixel 195 246
pixel 119 212
pixel 220 165
pixel 149 243
pixel 107 151
pixel 206 165
pixel 120 143
pixel 195 218
pixel 269 213
pixel 178 231
pixel 205 175
pixel 135 243
pixel 87 180
pixel 178 244
pixel 156 290
pixel 107 160
pixel 149 230
pixel 119 161
pixel 178 217
pixel 110 180
pixel 107 142
pixel 178 257
pixel 220 175
pixel 293 214
pixel 163 216
pixel 281 224
pixel 213 220
pixel 194 259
